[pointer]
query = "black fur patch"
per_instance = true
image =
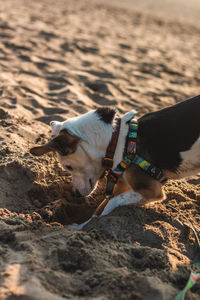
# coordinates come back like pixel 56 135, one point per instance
pixel 163 134
pixel 106 114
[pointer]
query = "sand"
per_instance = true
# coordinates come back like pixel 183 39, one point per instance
pixel 58 60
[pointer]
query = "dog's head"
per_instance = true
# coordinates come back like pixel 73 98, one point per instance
pixel 80 144
pixel 72 157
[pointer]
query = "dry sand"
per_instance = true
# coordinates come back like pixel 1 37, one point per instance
pixel 59 59
pixel 181 10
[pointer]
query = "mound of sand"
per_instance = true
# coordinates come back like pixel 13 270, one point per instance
pixel 58 60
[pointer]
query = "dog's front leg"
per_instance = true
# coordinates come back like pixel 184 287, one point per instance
pixel 124 199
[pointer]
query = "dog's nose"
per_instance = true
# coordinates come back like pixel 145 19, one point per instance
pixel 77 193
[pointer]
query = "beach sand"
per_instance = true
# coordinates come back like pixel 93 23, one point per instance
pixel 61 59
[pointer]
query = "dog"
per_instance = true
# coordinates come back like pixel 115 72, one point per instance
pixel 169 139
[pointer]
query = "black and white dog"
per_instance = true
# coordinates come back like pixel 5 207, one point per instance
pixel 168 138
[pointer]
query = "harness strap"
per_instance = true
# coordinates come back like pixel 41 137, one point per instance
pixel 132 157
pixel 107 161
pixel 153 171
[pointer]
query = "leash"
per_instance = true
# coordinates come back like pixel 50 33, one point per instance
pixel 131 157
pixel 193 276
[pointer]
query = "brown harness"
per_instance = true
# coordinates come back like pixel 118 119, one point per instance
pixel 107 161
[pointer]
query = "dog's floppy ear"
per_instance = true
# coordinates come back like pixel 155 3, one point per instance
pixel 56 127
pixel 65 143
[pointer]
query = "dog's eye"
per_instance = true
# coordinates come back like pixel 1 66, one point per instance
pixel 69 168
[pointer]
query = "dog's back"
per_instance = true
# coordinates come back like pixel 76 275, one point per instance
pixel 166 133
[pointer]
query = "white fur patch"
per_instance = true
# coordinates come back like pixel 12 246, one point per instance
pixel 191 160
pixel 89 128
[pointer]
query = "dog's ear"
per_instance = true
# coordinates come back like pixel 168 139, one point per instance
pixel 129 115
pixel 65 143
pixel 56 127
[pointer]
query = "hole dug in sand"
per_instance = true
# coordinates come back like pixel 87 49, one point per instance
pixel 43 187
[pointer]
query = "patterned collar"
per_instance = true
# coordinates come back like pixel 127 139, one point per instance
pixel 132 157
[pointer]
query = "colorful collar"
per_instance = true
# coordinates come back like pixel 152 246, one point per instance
pixel 132 157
